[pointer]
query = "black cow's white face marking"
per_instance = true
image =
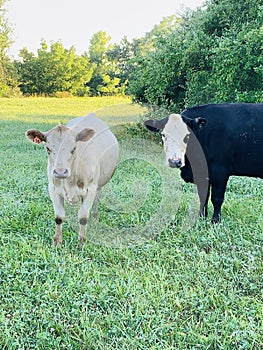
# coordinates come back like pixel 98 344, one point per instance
pixel 175 137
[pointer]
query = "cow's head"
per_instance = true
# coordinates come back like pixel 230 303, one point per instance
pixel 175 134
pixel 61 144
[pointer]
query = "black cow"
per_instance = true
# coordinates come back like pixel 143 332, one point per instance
pixel 209 143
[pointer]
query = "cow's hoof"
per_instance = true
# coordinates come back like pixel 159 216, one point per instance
pixel 216 220
pixel 82 240
pixel 57 242
pixel 95 216
pixel 57 239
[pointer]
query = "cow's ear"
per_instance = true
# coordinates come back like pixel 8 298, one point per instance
pixel 201 122
pixel 156 125
pixel 85 135
pixel 35 136
pixel 194 123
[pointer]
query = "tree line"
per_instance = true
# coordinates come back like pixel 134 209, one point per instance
pixel 212 54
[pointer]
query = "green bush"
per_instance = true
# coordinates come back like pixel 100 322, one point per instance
pixel 214 56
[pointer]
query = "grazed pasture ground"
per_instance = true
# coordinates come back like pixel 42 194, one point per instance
pixel 195 287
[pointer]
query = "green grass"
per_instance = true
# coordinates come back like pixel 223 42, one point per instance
pixel 175 288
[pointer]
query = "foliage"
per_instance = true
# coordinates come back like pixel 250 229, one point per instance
pixel 235 60
pixel 108 66
pixel 105 79
pixel 214 56
pixel 114 63
pixel 144 66
pixel 122 55
pixel 8 78
pixel 187 289
pixel 54 70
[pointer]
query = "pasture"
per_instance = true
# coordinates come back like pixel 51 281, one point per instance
pixel 151 276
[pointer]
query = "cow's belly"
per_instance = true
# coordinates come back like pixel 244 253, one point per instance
pixel 249 163
pixel 244 171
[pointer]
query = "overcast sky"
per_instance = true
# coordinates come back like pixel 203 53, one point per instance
pixel 75 21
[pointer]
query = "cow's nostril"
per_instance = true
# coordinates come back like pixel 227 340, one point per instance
pixel 175 163
pixel 179 163
pixel 60 173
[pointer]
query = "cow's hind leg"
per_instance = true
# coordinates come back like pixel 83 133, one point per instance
pixel 96 202
pixel 84 211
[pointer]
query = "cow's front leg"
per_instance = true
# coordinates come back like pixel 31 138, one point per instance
pixel 203 189
pixel 85 210
pixel 59 211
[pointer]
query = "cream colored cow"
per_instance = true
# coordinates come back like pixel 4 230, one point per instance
pixel 82 157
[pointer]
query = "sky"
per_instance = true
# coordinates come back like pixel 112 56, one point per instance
pixel 73 22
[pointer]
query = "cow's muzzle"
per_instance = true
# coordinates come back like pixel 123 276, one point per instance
pixel 60 173
pixel 174 162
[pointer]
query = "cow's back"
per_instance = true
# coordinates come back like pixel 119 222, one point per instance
pixel 232 137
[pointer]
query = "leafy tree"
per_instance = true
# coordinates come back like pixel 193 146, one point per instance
pixel 107 78
pixel 126 54
pixel 8 83
pixel 154 74
pixel 5 31
pixel 99 45
pixel 234 53
pixel 214 55
pixel 8 79
pixel 120 54
pixel 54 70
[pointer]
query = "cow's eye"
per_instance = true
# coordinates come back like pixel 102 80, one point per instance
pixel 73 151
pixel 48 150
pixel 186 138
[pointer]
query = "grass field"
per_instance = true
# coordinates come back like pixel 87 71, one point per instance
pixel 145 279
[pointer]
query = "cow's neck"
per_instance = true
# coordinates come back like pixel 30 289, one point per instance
pixel 68 188
pixel 69 191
